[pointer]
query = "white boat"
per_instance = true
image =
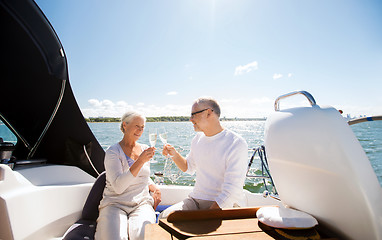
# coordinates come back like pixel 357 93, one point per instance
pixel 316 163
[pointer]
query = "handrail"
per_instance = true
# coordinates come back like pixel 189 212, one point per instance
pixel 58 104
pixel 14 131
pixel 305 93
pixel 364 119
pixel 265 174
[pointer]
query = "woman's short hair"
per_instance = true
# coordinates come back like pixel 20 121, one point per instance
pixel 209 102
pixel 128 116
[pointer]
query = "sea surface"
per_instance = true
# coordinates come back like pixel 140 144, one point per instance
pixel 180 135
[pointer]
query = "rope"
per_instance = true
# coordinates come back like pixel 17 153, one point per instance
pixel 90 161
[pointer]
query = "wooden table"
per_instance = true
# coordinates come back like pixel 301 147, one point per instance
pixel 228 224
pixel 156 232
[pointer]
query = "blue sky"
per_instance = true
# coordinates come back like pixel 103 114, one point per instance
pixel 158 56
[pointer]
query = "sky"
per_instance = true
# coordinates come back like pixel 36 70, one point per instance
pixel 158 56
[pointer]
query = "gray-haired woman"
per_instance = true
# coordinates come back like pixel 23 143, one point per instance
pixel 127 205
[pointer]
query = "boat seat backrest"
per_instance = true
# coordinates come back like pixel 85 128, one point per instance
pixel 85 227
pixel 319 167
pixel 90 211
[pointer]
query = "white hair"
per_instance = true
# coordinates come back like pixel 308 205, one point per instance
pixel 128 116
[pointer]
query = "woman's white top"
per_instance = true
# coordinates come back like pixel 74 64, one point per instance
pixel 121 185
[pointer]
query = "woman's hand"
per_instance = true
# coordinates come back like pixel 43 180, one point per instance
pixel 147 154
pixel 157 197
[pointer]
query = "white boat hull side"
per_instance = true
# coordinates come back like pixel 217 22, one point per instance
pixel 43 202
pixel 43 211
pixel 319 167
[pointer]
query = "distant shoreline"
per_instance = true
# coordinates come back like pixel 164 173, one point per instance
pixel 169 119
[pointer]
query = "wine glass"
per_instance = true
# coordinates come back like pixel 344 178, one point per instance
pixel 163 135
pixel 152 139
pixel 152 136
pixel 171 171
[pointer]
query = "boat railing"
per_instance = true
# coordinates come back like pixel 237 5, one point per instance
pixel 304 93
pixel 365 119
pixel 265 174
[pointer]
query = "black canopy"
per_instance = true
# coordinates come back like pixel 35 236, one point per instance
pixel 36 100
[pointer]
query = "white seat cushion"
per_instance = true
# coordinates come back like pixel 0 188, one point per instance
pixel 281 217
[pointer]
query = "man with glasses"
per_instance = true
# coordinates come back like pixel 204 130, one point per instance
pixel 218 156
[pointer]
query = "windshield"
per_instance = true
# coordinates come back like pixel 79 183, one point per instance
pixel 6 134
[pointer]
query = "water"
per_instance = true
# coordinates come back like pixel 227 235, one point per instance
pixel 180 135
pixel 369 135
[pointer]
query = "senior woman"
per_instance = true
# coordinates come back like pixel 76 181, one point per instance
pixel 127 205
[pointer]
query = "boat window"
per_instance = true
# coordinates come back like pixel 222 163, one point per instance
pixel 6 134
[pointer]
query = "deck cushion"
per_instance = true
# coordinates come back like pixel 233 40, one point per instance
pixel 82 229
pixel 281 217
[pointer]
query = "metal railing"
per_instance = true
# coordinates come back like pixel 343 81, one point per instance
pixel 265 174
pixel 364 119
pixel 305 93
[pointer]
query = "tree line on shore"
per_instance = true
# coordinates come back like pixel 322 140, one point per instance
pixel 148 119
pixel 167 119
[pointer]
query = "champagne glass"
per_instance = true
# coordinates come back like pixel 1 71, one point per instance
pixel 171 171
pixel 163 135
pixel 153 139
pixel 168 165
pixel 152 136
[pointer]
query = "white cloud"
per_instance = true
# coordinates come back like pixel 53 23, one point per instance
pixel 246 68
pixel 277 76
pixel 107 103
pixel 172 93
pixel 290 75
pixel 106 108
pixel 230 107
pixel 94 102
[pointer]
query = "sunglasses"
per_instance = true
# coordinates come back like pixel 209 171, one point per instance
pixel 192 114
